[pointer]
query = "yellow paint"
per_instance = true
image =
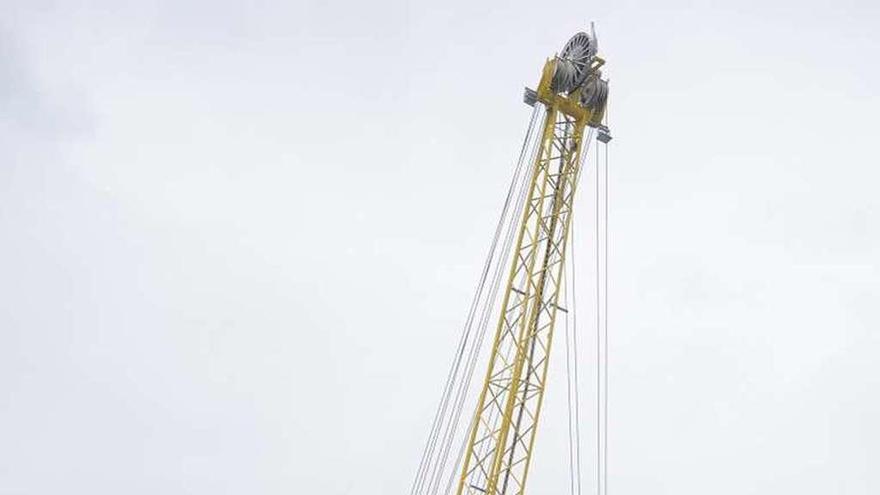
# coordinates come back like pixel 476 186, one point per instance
pixel 502 435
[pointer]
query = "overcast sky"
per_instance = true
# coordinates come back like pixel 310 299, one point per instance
pixel 238 240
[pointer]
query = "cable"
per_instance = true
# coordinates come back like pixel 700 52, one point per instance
pixel 606 312
pixel 572 378
pixel 573 310
pixel 577 400
pixel 488 304
pixel 428 452
pixel 490 301
pixel 482 325
pixel 571 470
pixel 598 348
pixel 487 313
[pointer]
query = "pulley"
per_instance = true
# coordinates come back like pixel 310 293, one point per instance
pixel 573 63
pixel 595 92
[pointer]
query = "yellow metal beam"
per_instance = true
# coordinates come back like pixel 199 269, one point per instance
pixel 502 438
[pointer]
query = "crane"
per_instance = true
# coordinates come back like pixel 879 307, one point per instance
pixel 497 446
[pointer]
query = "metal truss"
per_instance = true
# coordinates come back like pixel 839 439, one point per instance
pixel 502 436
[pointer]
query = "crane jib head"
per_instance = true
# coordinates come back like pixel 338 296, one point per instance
pixel 573 81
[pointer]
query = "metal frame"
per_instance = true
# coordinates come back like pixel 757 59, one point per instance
pixel 502 436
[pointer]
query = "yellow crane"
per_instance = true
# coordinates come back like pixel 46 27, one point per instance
pixel 498 445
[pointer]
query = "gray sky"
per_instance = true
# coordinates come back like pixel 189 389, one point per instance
pixel 237 241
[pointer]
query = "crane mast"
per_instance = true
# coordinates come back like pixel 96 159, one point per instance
pixel 501 440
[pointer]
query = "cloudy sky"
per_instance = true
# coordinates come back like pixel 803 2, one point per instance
pixel 238 240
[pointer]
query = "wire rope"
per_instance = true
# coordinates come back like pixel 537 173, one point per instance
pixel 489 305
pixel 577 414
pixel 472 360
pixel 482 325
pixel 485 319
pixel 598 345
pixel 428 451
pixel 605 403
pixel 572 381
pixel 571 469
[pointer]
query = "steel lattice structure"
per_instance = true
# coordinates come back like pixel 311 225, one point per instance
pixel 502 436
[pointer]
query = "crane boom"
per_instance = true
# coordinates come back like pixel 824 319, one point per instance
pixel 502 436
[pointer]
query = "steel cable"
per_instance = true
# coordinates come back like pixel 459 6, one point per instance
pixel 571 441
pixel 489 305
pixel 484 321
pixel 598 347
pixel 437 424
pixel 573 310
pixel 577 401
pixel 605 404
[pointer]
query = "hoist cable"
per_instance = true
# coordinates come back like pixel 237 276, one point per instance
pixel 598 346
pixel 605 404
pixel 602 323
pixel 572 308
pixel 572 373
pixel 484 322
pixel 568 357
pixel 428 452
pixel 463 386
pixel 571 469
pixel 488 306
pixel 482 326
pixel 577 401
